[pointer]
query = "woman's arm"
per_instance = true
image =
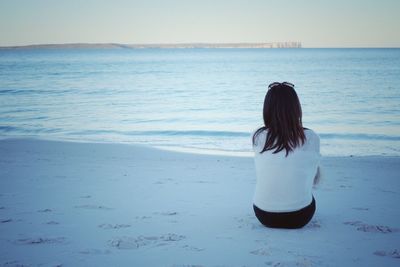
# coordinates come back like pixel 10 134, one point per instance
pixel 317 177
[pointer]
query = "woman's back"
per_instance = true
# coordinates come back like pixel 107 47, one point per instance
pixel 284 183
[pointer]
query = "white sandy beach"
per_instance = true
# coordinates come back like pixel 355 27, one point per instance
pixel 82 204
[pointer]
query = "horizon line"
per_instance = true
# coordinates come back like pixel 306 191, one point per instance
pixel 283 44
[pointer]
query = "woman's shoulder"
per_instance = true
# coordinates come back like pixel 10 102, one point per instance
pixel 259 136
pixel 312 139
pixel 311 133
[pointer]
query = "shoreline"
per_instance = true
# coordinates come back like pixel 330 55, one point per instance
pixel 181 149
pixel 95 204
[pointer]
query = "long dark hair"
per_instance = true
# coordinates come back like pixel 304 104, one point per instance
pixel 282 119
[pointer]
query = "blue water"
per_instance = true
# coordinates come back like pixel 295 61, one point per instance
pixel 206 99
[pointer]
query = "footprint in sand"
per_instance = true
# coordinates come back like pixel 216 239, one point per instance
pixel 249 221
pixel 92 207
pixel 45 210
pixel 388 253
pixel 363 227
pixel 192 248
pixel 113 226
pixel 301 263
pixel 360 208
pixel 127 242
pixel 313 224
pixel 52 223
pixel 275 264
pixel 388 191
pixel 93 251
pixel 260 252
pixel 40 240
pixel 13 264
pixel 164 181
pixel 166 213
pixel 48 264
pixel 142 217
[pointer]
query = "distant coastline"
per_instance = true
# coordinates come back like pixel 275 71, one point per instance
pixel 138 46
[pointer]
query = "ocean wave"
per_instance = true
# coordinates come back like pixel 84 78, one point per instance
pixel 186 133
pixel 210 133
pixel 359 136
pixel 13 129
pixel 6 129
pixel 166 133
pixel 34 91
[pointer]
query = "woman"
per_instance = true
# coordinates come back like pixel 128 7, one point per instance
pixel 286 159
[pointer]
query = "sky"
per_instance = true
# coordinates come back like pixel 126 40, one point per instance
pixel 314 23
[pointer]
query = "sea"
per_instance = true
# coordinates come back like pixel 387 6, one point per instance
pixel 200 100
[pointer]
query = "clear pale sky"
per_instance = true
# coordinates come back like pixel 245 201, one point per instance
pixel 315 23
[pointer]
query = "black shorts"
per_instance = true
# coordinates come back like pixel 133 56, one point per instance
pixel 289 220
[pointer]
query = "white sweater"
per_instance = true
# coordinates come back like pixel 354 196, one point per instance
pixel 285 183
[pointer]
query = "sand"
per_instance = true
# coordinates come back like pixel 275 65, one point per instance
pixel 85 204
